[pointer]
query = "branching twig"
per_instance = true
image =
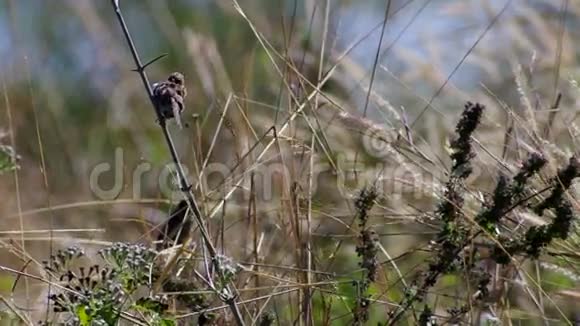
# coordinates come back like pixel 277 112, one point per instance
pixel 229 297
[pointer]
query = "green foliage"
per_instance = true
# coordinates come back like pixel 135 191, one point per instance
pixel 7 318
pixel 8 159
pixel 133 263
pixel 6 282
pixel 554 280
pixel 88 104
pixel 99 295
pixel 510 194
pixel 155 309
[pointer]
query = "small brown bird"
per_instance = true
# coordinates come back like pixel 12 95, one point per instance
pixel 169 96
pixel 177 228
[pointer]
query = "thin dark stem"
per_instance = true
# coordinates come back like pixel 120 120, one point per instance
pixel 228 296
pixel 460 63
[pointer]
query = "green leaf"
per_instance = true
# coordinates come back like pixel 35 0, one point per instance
pixel 166 322
pixel 84 318
pixel 149 304
pixel 8 159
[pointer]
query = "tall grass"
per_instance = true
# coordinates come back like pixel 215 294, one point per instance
pixel 323 210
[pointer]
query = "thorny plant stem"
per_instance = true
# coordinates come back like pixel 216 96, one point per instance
pixel 228 297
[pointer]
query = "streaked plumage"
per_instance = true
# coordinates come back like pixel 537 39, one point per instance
pixel 171 232
pixel 169 97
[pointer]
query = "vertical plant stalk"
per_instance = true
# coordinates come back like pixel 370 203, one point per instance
pixel 452 238
pixel 228 296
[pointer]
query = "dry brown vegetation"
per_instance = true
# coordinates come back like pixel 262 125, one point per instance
pixel 342 177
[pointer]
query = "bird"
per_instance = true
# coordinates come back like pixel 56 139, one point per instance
pixel 169 95
pixel 177 228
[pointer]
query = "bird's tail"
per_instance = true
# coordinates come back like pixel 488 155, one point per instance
pixel 177 115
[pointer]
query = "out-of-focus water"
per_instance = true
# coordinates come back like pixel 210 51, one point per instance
pixel 441 29
pixel 433 34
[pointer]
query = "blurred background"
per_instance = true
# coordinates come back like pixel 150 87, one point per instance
pixel 92 163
